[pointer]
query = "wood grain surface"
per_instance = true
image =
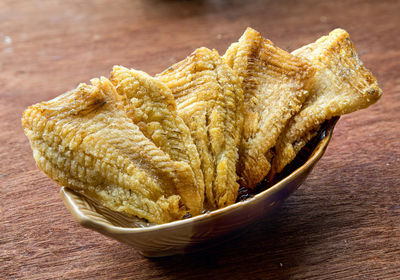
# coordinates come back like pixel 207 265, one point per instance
pixel 344 221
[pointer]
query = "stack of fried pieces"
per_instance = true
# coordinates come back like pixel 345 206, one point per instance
pixel 174 145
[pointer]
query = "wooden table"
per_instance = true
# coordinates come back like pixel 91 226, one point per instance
pixel 343 223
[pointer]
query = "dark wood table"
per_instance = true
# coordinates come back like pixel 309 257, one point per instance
pixel 343 222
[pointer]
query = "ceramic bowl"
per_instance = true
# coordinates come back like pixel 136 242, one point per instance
pixel 200 232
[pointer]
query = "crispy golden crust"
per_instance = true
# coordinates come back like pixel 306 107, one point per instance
pixel 210 100
pixel 84 140
pixel 340 85
pixel 151 106
pixel 275 85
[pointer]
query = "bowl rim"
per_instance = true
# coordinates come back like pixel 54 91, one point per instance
pixel 86 221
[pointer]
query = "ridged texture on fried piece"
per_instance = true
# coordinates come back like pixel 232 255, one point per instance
pixel 275 85
pixel 151 106
pixel 341 85
pixel 210 100
pixel 84 140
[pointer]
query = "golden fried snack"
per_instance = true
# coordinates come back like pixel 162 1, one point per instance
pixel 84 140
pixel 275 86
pixel 151 106
pixel 340 85
pixel 210 100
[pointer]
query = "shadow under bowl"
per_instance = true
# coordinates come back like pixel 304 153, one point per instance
pixel 200 232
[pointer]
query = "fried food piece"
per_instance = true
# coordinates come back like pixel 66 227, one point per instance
pixel 340 85
pixel 275 86
pixel 151 106
pixel 210 100
pixel 84 140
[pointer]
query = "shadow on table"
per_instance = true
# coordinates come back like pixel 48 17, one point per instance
pixel 263 252
pixel 302 235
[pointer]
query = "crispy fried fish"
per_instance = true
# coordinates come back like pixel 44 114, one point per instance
pixel 210 100
pixel 151 106
pixel 340 85
pixel 275 85
pixel 84 140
